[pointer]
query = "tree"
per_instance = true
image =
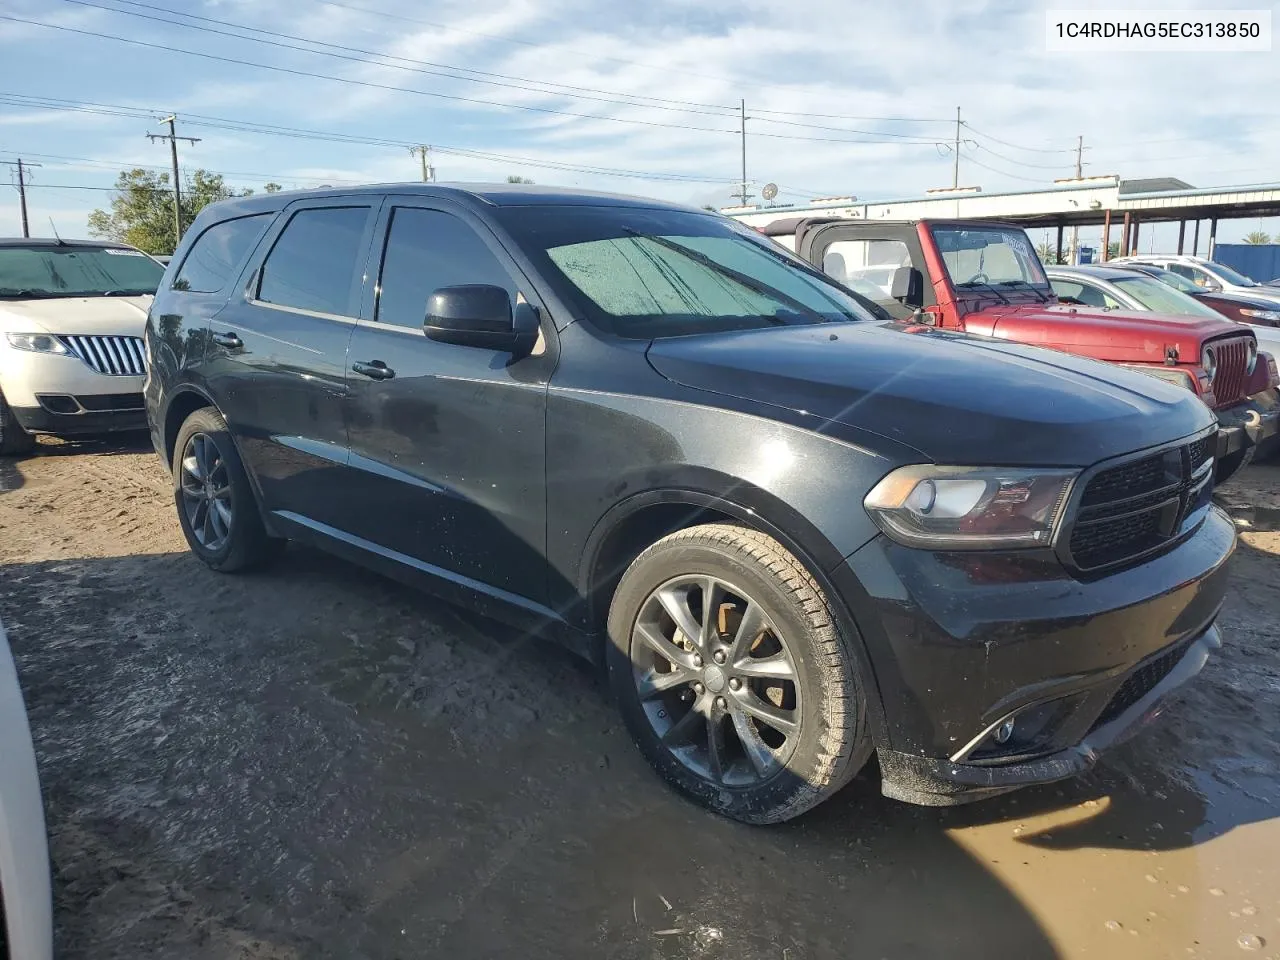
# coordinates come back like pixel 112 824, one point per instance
pixel 1049 253
pixel 141 212
pixel 1113 249
pixel 514 178
pixel 1258 238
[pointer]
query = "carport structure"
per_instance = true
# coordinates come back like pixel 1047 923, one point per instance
pixel 1109 202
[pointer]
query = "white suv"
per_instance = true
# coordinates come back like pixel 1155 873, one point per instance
pixel 72 315
pixel 1209 276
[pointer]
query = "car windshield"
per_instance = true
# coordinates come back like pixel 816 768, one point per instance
pixel 1228 275
pixel 646 273
pixel 1161 298
pixel 989 256
pixel 75 271
pixel 1175 280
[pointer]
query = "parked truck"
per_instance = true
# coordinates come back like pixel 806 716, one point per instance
pixel 985 278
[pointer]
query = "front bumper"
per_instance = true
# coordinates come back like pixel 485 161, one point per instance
pixel 944 783
pixel 1246 425
pixel 84 423
pixel 961 642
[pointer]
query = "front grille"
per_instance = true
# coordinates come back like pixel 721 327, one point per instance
pixel 1139 683
pixel 1134 508
pixel 1230 381
pixel 115 402
pixel 113 356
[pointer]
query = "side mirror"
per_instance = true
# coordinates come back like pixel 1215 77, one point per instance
pixel 480 315
pixel 907 286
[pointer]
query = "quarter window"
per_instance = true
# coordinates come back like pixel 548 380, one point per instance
pixel 316 261
pixel 427 250
pixel 866 266
pixel 216 256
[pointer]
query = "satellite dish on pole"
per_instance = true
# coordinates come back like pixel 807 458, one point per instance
pixel 769 191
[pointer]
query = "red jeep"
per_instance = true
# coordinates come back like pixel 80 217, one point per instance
pixel 985 278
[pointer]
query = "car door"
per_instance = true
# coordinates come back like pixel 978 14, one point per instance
pixel 864 258
pixel 448 449
pixel 277 355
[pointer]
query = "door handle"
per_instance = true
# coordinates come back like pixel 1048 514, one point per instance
pixel 228 340
pixel 374 369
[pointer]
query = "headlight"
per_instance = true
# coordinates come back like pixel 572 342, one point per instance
pixel 1253 357
pixel 1271 316
pixel 970 508
pixel 36 343
pixel 1179 378
pixel 1209 362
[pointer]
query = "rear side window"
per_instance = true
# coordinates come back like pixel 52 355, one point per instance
pixel 215 258
pixel 315 261
pixel 427 250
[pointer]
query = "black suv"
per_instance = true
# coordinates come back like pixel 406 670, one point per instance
pixel 796 533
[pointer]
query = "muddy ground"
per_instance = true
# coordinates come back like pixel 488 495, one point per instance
pixel 316 762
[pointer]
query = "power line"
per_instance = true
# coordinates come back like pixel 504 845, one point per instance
pixel 1005 173
pixel 427 93
pixel 1006 143
pixel 483 76
pixel 438 69
pixel 1020 163
pixel 534 43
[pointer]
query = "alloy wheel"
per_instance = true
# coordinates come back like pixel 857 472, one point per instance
pixel 206 491
pixel 716 680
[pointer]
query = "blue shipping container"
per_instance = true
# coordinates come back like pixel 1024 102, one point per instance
pixel 1257 261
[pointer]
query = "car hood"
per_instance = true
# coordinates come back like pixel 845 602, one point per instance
pixel 955 398
pixel 85 316
pixel 1268 300
pixel 1117 336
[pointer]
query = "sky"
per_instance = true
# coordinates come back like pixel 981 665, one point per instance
pixel 841 98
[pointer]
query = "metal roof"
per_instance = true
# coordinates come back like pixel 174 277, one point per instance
pixel 1082 203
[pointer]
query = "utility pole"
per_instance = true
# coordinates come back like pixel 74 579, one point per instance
pixel 173 138
pixel 955 169
pixel 743 195
pixel 22 167
pixel 1075 228
pixel 424 153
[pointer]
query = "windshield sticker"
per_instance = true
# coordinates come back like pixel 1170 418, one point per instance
pixel 118 252
pixel 1019 244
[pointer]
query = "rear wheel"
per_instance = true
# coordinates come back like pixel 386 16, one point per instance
pixel 14 441
pixel 732 675
pixel 216 504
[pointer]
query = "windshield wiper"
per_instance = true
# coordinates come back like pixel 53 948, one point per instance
pixel 1025 284
pixel 975 285
pixel 743 279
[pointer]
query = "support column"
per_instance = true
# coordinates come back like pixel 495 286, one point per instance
pixel 1182 234
pixel 1059 247
pixel 1135 236
pixel 1124 235
pixel 1106 236
pixel 1213 236
pixel 1195 240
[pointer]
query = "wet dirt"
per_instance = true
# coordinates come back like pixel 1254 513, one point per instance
pixel 316 762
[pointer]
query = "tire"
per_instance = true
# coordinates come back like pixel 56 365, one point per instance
pixel 795 634
pixel 14 441
pixel 227 540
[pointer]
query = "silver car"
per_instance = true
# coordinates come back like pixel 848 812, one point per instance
pixel 24 851
pixel 1115 288
pixel 1205 274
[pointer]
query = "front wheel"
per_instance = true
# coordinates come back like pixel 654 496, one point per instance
pixel 216 504
pixel 732 675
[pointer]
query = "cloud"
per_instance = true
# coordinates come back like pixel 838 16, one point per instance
pixel 1140 115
